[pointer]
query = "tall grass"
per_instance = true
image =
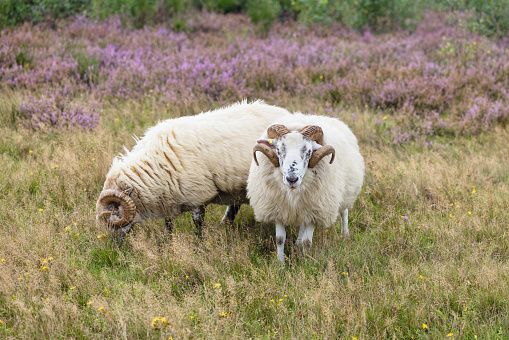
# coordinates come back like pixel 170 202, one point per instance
pixel 444 267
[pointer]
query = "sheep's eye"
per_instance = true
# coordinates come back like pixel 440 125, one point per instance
pixel 305 153
pixel 281 150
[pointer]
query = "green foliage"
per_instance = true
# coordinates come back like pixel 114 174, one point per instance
pixel 139 12
pixel 377 14
pixel 488 17
pixel 263 12
pixel 13 12
pixel 491 17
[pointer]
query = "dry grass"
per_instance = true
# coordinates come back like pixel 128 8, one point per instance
pixel 442 271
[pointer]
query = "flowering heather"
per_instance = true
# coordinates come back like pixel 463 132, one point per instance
pixel 437 80
pixel 56 109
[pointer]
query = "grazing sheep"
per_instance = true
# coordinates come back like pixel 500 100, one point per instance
pixel 183 164
pixel 291 186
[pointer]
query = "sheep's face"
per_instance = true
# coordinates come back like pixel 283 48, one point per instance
pixel 115 207
pixel 294 152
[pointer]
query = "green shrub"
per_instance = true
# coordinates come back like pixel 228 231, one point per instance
pixel 381 14
pixel 488 17
pixel 377 14
pixel 263 12
pixel 491 17
pixel 13 12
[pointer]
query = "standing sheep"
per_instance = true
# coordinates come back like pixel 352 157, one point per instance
pixel 183 164
pixel 291 186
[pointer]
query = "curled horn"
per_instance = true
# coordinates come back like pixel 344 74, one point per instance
pixel 277 131
pixel 267 151
pixel 321 153
pixel 315 133
pixel 112 195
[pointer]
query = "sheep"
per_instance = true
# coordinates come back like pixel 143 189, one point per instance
pixel 184 164
pixel 292 186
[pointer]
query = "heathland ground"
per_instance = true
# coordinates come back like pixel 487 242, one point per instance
pixel 429 249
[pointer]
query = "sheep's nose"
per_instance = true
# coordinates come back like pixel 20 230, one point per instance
pixel 292 179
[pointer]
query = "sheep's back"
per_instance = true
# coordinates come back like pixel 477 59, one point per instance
pixel 188 161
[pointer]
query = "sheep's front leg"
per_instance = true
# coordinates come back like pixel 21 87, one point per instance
pixel 280 241
pixel 168 223
pixel 344 223
pixel 305 236
pixel 229 215
pixel 198 215
pixel 120 234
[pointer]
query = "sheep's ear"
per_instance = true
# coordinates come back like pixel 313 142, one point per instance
pixel 269 142
pixel 315 146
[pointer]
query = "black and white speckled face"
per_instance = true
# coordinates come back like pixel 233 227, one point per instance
pixel 294 152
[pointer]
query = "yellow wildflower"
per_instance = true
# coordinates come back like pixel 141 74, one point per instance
pixel 424 326
pixel 217 285
pixel 2 260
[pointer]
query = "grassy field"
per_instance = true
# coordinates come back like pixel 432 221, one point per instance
pixel 427 257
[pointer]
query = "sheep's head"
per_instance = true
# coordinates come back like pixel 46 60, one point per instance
pixel 293 152
pixel 115 208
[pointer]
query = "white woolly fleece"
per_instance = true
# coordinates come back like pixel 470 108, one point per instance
pixel 326 190
pixel 182 163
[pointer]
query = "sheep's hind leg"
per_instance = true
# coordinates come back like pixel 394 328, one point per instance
pixel 280 241
pixel 344 223
pixel 229 215
pixel 198 215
